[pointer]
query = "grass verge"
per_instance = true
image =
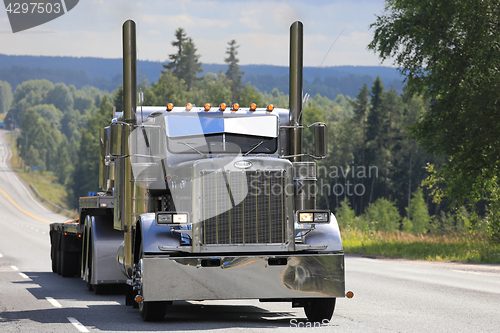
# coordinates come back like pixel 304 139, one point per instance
pixel 454 246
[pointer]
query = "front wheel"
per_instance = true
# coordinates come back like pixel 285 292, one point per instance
pixel 149 311
pixel 152 311
pixel 319 309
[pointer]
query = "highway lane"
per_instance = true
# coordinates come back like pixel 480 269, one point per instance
pixel 390 295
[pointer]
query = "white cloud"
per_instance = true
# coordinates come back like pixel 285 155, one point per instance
pixel 154 32
pixel 261 28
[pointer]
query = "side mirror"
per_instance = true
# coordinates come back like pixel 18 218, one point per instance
pixel 115 139
pixel 320 140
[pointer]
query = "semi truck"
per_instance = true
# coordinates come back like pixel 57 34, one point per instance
pixel 206 203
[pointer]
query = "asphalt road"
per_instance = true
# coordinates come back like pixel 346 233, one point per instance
pixel 390 295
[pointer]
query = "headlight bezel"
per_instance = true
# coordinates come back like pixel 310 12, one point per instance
pixel 312 216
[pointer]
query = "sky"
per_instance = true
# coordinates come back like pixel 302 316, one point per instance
pixel 260 27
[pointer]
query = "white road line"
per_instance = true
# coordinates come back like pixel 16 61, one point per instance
pixel 14 268
pixel 77 324
pixel 54 302
pixel 24 275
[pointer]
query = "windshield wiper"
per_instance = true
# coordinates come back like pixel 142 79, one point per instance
pixel 193 148
pixel 255 146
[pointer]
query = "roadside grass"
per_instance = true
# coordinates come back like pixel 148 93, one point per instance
pixel 44 182
pixel 2 116
pixel 454 246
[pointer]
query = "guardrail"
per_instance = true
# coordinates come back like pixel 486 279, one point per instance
pixel 57 208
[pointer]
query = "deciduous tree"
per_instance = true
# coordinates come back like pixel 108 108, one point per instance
pixel 450 52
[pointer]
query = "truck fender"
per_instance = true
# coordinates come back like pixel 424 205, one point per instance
pixel 326 234
pixel 155 236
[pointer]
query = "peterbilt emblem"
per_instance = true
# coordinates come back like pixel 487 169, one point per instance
pixel 243 164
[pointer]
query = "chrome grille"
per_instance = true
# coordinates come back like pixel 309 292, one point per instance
pixel 245 207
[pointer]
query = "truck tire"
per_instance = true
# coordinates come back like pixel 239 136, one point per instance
pixel 319 309
pixel 151 311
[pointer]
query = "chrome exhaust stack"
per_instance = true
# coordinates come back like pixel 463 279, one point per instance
pixel 126 206
pixel 129 72
pixel 295 90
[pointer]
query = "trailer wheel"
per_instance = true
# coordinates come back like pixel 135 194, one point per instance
pixel 319 309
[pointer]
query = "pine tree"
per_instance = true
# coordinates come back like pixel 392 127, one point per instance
pixel 419 213
pixel 176 59
pixel 233 72
pixel 375 117
pixel 190 65
pixel 375 141
pixel 185 63
pixel 361 108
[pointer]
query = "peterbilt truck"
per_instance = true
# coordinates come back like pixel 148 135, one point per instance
pixel 206 203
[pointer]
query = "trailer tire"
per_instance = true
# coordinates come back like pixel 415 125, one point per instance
pixel 53 250
pixel 69 263
pixel 319 309
pixel 58 252
pixel 54 265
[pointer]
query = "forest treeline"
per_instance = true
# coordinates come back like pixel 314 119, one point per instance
pixel 105 74
pixel 372 176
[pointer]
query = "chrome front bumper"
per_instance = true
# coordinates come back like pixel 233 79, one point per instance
pixel 243 277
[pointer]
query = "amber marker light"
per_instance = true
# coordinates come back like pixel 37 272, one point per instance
pixel 349 294
pixel 189 106
pixel 170 107
pixel 207 107
pixel 222 107
pixel 253 107
pixel 270 108
pixel 236 107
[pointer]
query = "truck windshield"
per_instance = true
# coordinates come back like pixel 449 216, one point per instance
pixel 222 143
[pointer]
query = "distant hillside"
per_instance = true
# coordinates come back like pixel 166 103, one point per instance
pixel 106 74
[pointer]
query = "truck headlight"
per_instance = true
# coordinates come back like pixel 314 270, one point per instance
pixel 172 218
pixel 306 217
pixel 180 218
pixel 314 217
pixel 321 217
pixel 164 218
